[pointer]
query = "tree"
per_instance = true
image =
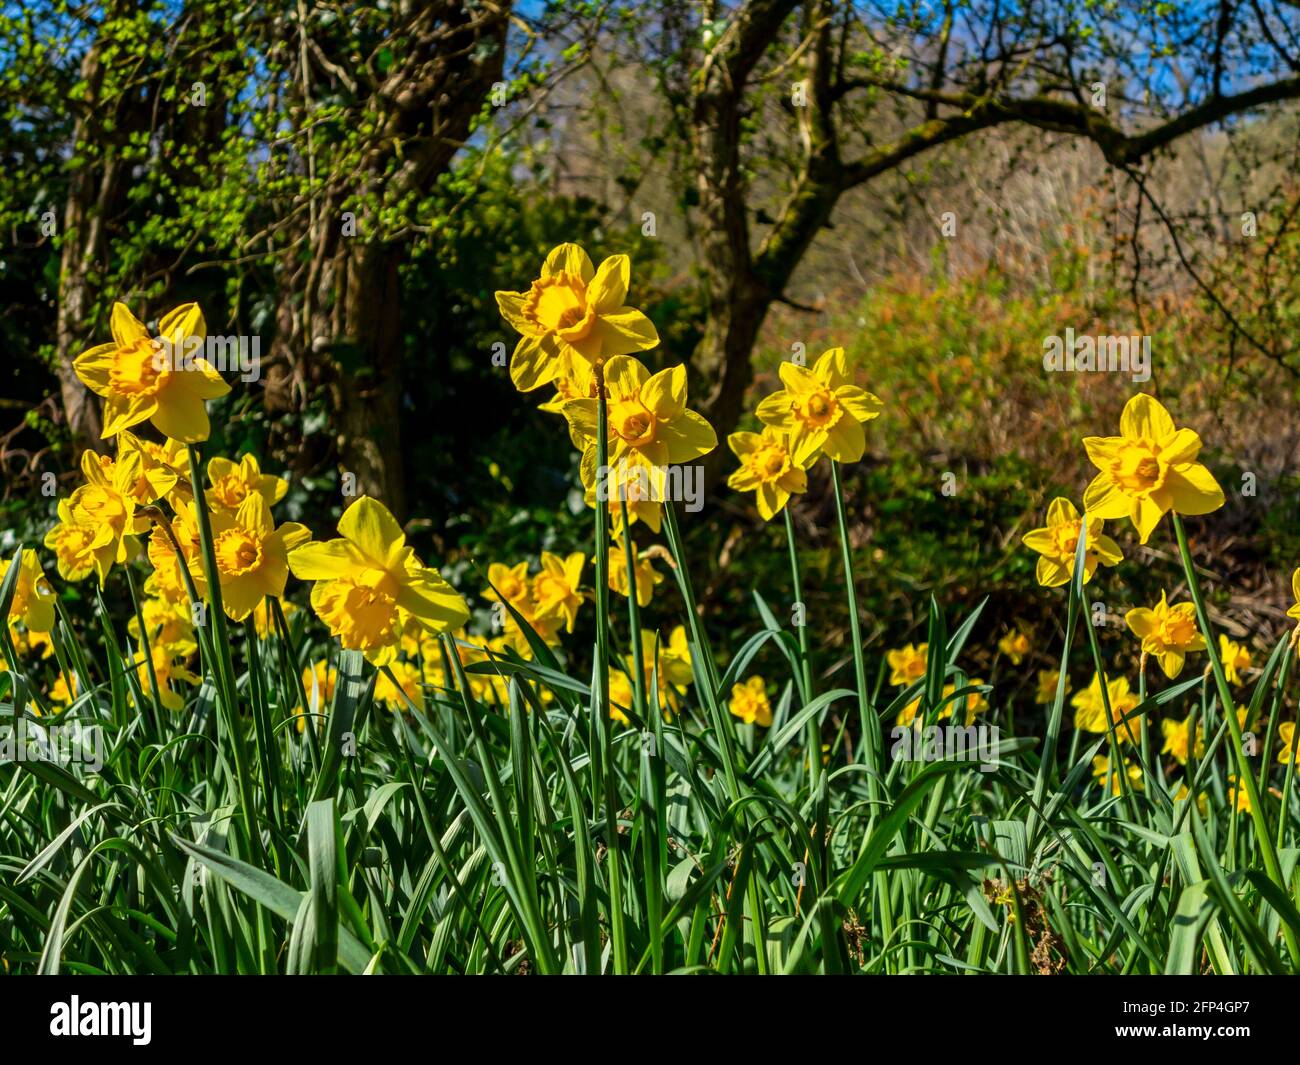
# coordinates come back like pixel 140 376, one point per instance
pixel 867 89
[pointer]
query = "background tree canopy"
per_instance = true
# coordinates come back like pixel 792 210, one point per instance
pixel 936 186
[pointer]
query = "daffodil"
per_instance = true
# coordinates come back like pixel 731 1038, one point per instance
pixel 578 382
pixel 172 456
pixel 573 311
pixel 650 428
pixel 1090 709
pixel 1178 739
pixel 367 577
pixel 1202 800
pixel 167 622
pixel 749 702
pixel 1235 657
pixel 73 544
pixel 821 410
pixel 158 478
pixel 169 668
pixel 907 663
pixel 107 504
pixel 513 585
pixel 64 689
pixel 668 661
pixel 1294 611
pixel 318 681
pixel 408 685
pixel 646 575
pixel 621 696
pixel 1058 540
pixel 1047 682
pixel 1015 645
pixel 167 581
pixel 1286 733
pixel 767 468
pixel 1101 772
pixel 972 702
pixel 508 583
pixel 555 588
pixel 29 641
pixel 1167 632
pixel 1238 796
pixel 143 379
pixel 252 555
pixel 33 597
pixel 1148 470
pixel 233 482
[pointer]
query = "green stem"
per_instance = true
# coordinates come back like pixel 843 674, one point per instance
pixel 812 730
pixel 870 731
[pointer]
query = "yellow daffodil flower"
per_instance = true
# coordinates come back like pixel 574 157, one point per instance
pixel 749 702
pixel 621 696
pixel 143 380
pixel 573 311
pixel 165 621
pixel 509 583
pixel 513 584
pixel 1238 797
pixel 1058 540
pixel 232 482
pixel 767 468
pixel 1090 710
pixel 646 575
pixel 252 554
pixel 1286 733
pixel 409 683
pixel 1167 632
pixel 907 663
pixel 33 599
pixel 1294 611
pixel 975 702
pixel 64 689
pixel 1015 645
pixel 167 581
pixel 1047 681
pixel 73 545
pixel 107 503
pixel 1235 658
pixel 671 665
pixel 555 588
pixel 1148 470
pixel 1101 771
pixel 650 427
pixel 369 574
pixel 318 681
pixel 1177 736
pixel 821 410
pixel 158 478
pixel 169 667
